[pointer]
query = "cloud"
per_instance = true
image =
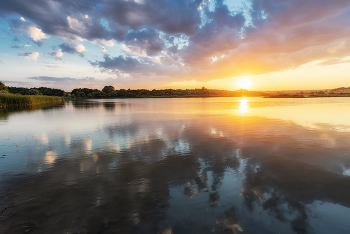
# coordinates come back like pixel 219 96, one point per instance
pixel 20 47
pixel 33 31
pixel 67 48
pixel 73 20
pixel 50 78
pixel 335 61
pixel 36 33
pixel 103 42
pixel 57 55
pixel 15 39
pixel 171 16
pixel 31 56
pixel 80 48
pixel 119 63
pixel 144 42
pixel 54 65
pixel 21 83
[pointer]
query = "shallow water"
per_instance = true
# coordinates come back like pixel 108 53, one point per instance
pixel 197 165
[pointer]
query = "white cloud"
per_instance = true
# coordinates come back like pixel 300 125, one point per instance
pixel 129 49
pixel 58 54
pixel 102 49
pixel 31 56
pixel 80 48
pixel 103 42
pixel 22 19
pixel 75 24
pixel 36 33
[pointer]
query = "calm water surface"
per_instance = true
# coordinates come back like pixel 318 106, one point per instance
pixel 200 165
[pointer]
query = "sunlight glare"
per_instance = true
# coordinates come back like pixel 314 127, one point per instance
pixel 244 83
pixel 243 106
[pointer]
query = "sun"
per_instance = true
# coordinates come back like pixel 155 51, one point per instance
pixel 244 83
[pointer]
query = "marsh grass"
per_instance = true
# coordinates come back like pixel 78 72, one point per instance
pixel 9 100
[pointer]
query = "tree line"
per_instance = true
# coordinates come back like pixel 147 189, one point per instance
pixel 110 92
pixel 32 91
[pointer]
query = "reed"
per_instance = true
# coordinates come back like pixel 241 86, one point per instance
pixel 8 99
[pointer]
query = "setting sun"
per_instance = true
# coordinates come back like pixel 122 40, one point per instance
pixel 244 83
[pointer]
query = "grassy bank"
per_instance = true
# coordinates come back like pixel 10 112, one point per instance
pixel 8 100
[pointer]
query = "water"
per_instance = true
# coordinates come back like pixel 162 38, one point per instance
pixel 198 165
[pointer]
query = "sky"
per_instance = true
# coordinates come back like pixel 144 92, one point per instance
pixel 157 44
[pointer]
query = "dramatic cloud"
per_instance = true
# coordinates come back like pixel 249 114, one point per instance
pixel 188 39
pixel 126 64
pixel 30 56
pixel 144 42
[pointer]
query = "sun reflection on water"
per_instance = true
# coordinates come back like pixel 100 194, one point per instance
pixel 243 106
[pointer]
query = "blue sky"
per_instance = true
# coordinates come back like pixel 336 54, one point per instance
pixel 287 44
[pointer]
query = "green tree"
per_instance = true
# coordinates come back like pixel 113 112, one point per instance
pixel 3 87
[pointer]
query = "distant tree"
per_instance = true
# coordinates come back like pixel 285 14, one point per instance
pixel 3 87
pixel 85 90
pixel 20 90
pixel 108 89
pixel 51 92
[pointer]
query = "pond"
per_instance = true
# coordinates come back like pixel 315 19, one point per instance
pixel 177 165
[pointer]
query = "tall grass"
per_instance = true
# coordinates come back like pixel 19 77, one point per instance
pixel 8 100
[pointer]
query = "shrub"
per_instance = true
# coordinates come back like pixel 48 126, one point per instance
pixel 34 92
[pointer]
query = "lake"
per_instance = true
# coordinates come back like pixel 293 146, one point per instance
pixel 177 165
